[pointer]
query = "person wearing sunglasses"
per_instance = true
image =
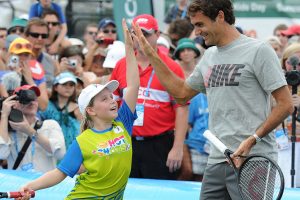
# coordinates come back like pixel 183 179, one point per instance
pixel 17 27
pixel 38 9
pixel 95 56
pixel 37 32
pixel 107 28
pixel 52 19
pixel 89 36
pixel 20 60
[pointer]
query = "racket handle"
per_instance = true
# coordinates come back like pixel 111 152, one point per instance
pixel 18 194
pixel 215 141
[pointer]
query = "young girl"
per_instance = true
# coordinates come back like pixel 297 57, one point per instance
pixel 63 108
pixel 104 147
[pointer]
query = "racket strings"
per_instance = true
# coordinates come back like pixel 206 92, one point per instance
pixel 259 180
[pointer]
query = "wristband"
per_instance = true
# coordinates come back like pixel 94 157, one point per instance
pixel 257 139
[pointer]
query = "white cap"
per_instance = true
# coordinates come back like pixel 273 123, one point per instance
pixel 115 52
pixel 163 41
pixel 64 77
pixel 91 91
pixel 76 41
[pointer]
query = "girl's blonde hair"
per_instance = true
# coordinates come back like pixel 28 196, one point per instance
pixel 87 121
pixel 289 51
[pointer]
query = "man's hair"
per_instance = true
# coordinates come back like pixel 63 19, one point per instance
pixel 181 27
pixel 3 29
pixel 35 22
pixel 49 11
pixel 280 27
pixel 211 8
pixel 91 25
pixel 71 51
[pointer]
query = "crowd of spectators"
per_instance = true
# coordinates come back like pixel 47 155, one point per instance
pixel 38 58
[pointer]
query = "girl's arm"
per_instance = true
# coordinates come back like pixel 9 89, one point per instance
pixel 132 73
pixel 49 179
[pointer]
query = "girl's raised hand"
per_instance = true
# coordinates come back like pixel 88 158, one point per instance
pixel 128 36
pixel 142 41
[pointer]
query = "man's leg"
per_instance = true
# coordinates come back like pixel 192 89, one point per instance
pixel 213 185
pixel 231 183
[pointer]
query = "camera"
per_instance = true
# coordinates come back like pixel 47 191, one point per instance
pixel 105 41
pixel 293 76
pixel 24 97
pixel 72 63
pixel 14 61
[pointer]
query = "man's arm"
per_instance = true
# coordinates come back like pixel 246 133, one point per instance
pixel 181 126
pixel 175 86
pixel 283 108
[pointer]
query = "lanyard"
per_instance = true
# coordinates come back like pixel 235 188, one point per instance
pixel 16 141
pixel 148 86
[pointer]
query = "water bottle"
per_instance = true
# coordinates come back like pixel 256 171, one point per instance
pixel 282 139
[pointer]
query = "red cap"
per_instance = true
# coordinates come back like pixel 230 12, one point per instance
pixel 28 87
pixel 146 22
pixel 292 30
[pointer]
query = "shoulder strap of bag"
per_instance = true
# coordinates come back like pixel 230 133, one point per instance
pixel 22 153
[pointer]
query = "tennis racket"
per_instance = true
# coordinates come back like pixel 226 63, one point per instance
pixel 258 178
pixel 14 194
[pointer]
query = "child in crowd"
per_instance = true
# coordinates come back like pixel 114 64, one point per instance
pixel 62 106
pixel 104 146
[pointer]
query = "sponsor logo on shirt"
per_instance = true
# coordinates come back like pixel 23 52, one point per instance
pixel 116 145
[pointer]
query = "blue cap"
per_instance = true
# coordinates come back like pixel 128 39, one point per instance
pixel 106 21
pixel 64 77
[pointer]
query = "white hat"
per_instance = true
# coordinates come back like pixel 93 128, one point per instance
pixel 163 41
pixel 76 42
pixel 116 51
pixel 91 91
pixel 64 77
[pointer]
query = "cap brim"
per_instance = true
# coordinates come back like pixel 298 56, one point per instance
pixel 112 85
pixel 150 31
pixel 67 79
pixel 287 32
pixel 22 51
pixel 36 90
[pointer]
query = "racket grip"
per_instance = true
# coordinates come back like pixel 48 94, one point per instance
pixel 18 194
pixel 215 141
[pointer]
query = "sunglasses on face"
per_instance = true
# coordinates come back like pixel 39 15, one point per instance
pixel 2 36
pixel 53 23
pixel 37 35
pixel 145 33
pixel 109 31
pixel 17 29
pixel 23 46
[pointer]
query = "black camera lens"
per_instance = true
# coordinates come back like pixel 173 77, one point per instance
pixel 26 96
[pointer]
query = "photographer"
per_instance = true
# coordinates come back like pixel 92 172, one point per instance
pixel 96 54
pixel 20 61
pixel 292 50
pixel 71 59
pixel 44 140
